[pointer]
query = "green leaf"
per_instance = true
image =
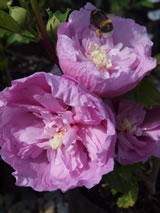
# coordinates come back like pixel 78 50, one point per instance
pixel 114 192
pixel 4 4
pixel 129 198
pixel 42 3
pixel 55 19
pixel 3 33
pixel 20 15
pixel 119 5
pixel 16 38
pixel 145 93
pixel 24 3
pixel 62 17
pixel 52 26
pixel 122 180
pixel 145 3
pixel 8 23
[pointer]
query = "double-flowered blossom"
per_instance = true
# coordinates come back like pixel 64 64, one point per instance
pixel 138 132
pixel 107 66
pixel 54 133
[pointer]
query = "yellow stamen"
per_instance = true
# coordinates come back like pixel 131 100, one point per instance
pixel 99 57
pixel 126 125
pixel 56 142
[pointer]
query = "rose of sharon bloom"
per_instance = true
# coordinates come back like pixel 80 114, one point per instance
pixel 138 132
pixel 55 134
pixel 107 66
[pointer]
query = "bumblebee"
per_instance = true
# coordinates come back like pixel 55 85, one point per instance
pixel 103 24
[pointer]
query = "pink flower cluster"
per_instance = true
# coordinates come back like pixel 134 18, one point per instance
pixel 57 133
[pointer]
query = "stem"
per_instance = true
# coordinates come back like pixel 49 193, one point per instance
pixel 42 29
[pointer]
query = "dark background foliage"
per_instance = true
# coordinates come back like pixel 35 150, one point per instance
pixel 20 57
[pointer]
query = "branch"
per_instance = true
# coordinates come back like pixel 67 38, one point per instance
pixel 42 29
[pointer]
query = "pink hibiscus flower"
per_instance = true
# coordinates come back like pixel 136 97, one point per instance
pixel 54 133
pixel 138 132
pixel 106 66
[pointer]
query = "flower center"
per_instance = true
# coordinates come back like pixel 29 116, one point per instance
pixel 127 126
pixel 99 57
pixel 56 142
